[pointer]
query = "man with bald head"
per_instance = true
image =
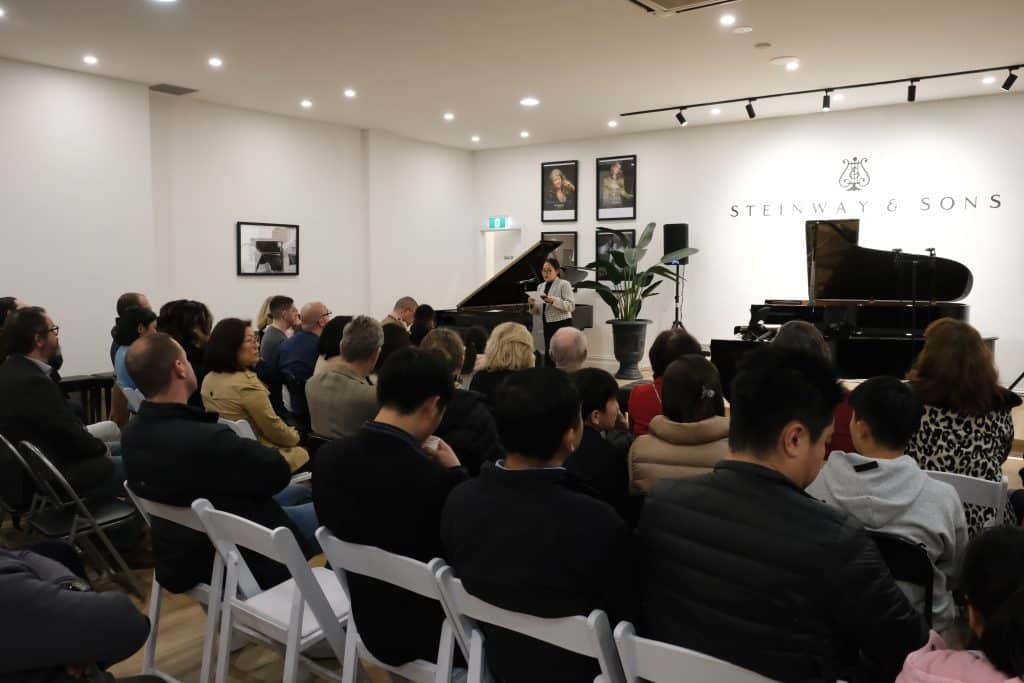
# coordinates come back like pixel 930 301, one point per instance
pixel 568 349
pixel 298 353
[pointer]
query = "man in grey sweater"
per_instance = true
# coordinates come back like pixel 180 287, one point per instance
pixel 886 490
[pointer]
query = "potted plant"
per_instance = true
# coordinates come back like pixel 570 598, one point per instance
pixel 629 287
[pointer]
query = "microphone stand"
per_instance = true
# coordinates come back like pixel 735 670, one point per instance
pixel 678 323
pixel 814 265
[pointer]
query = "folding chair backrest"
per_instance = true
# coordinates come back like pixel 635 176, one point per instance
pixel 659 662
pixel 49 479
pixel 12 483
pixel 240 427
pixel 590 636
pixel 974 491
pixel 909 562
pixel 133 397
pixel 183 516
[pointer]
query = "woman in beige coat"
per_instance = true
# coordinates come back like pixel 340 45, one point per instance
pixel 692 433
pixel 233 390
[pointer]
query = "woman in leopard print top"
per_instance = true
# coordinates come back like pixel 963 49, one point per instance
pixel 966 427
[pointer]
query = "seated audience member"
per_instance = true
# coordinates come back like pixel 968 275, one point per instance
pixel 297 355
pixel 8 305
pixel 423 322
pixel 189 322
pixel 232 389
pixel 742 565
pixel 568 349
pixel 341 398
pixel 395 339
pixel 475 339
pixel 403 314
pixel 282 314
pixel 601 459
pixel 509 350
pixel 993 583
pixel 800 335
pixel 528 536
pixel 175 453
pixel 967 426
pixel 885 490
pixel 691 435
pixel 133 323
pixel 33 409
pixel 467 426
pixel 124 302
pixel 384 487
pixel 645 399
pixel 329 345
pixel 58 628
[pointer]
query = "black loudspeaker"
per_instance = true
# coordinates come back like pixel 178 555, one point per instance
pixel 677 236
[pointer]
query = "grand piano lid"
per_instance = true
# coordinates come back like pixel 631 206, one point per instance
pixel 508 287
pixel 844 270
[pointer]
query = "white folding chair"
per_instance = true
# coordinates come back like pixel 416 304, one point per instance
pixel 134 398
pixel 297 614
pixel 974 491
pixel 244 430
pixel 659 662
pixel 590 636
pixel 403 572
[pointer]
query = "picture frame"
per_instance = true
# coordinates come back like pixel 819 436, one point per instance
pixel 615 188
pixel 605 241
pixel 559 191
pixel 266 249
pixel 568 253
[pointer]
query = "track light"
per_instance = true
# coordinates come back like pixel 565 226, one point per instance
pixel 750 109
pixel 912 91
pixel 826 101
pixel 1010 80
pixel 681 118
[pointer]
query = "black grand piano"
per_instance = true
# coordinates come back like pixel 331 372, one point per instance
pixel 871 305
pixel 503 298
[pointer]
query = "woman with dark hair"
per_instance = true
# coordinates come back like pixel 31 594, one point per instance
pixel 645 399
pixel 692 433
pixel 232 389
pixel 967 427
pixel 475 339
pixel 8 304
pixel 135 323
pixel 422 323
pixel 329 345
pixel 395 339
pixel 992 581
pixel 189 322
pixel 554 301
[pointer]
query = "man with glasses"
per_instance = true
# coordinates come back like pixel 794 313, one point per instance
pixel 297 355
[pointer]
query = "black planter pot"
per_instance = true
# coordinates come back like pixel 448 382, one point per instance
pixel 628 337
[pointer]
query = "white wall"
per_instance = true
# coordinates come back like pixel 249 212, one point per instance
pixel 956 148
pixel 76 217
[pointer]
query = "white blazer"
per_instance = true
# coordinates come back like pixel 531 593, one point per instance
pixel 563 301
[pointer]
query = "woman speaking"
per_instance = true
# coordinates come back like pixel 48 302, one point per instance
pixel 554 300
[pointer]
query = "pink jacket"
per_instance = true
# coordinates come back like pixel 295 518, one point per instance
pixel 933 663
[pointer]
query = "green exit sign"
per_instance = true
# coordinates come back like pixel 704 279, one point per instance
pixel 499 222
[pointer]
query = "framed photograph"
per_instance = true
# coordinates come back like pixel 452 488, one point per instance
pixel 606 241
pixel 566 253
pixel 267 248
pixel 616 188
pixel 558 191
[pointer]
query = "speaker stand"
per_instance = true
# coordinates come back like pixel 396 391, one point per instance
pixel 678 324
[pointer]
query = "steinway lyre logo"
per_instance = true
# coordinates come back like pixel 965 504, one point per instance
pixel 855 175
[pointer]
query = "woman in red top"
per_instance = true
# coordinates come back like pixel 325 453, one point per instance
pixel 645 399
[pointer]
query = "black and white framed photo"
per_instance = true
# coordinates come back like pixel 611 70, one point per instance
pixel 267 248
pixel 605 242
pixel 616 188
pixel 558 181
pixel 566 253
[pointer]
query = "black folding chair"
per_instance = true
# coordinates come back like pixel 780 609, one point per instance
pixel 908 562
pixel 15 490
pixel 59 512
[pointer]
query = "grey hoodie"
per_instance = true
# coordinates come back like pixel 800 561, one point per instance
pixel 897 497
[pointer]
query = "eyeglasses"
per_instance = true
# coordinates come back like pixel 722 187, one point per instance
pixel 328 314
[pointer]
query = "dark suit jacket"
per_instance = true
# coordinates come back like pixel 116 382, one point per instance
pixel 604 465
pixel 33 409
pixel 379 488
pixel 469 429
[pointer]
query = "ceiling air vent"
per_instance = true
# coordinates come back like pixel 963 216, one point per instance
pixel 664 7
pixel 171 89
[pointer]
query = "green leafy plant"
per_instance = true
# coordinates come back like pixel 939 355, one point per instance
pixel 630 285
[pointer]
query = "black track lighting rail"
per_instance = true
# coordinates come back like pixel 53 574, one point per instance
pixel 827 89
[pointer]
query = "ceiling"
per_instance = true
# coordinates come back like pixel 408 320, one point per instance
pixel 586 60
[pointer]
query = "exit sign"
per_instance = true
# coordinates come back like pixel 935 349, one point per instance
pixel 499 222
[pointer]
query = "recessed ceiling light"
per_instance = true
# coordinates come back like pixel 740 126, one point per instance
pixel 349 93
pixel 988 80
pixel 524 134
pixel 727 19
pixel 475 138
pixel 742 29
pixel 448 116
pixel 613 124
pixel 529 101
pixel 793 66
pixel 90 60
pixel 715 111
pixel 215 62
pixel 2 12
pixel 791 63
pixel 306 104
pixel 165 2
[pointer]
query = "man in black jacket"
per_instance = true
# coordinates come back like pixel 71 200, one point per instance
pixel 175 453
pixel 383 487
pixel 527 535
pixel 741 564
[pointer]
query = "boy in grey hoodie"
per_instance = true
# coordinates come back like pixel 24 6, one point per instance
pixel 887 491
